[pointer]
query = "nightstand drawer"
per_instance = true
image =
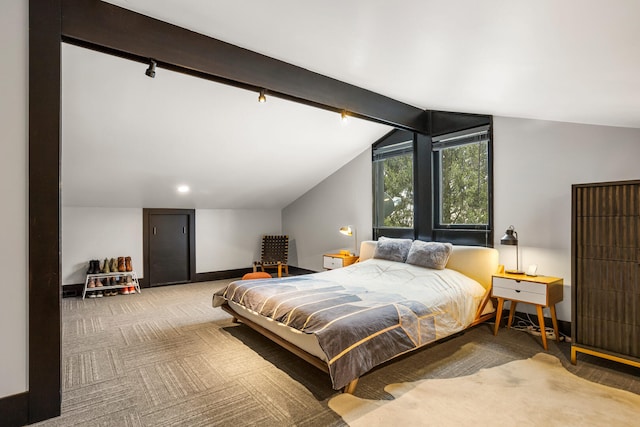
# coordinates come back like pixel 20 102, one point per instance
pixel 331 262
pixel 531 292
pixel 518 295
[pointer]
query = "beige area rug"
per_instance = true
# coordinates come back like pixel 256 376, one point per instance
pixel 532 392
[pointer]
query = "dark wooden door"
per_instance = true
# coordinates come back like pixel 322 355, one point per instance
pixel 169 248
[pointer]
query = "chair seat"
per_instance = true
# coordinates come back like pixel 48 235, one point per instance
pixel 256 275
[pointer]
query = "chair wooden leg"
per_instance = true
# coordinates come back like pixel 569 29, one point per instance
pixel 279 270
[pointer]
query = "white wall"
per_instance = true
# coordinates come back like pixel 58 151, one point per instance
pixel 313 220
pixel 98 233
pixel 535 164
pixel 13 193
pixel 227 239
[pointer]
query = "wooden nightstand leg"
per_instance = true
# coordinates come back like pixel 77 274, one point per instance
pixel 512 310
pixel 552 308
pixel 498 315
pixel 543 333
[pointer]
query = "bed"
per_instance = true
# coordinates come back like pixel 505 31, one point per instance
pixel 349 320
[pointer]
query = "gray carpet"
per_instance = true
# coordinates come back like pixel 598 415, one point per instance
pixel 165 357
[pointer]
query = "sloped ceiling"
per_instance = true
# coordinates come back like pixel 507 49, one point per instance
pixel 130 141
pixel 574 61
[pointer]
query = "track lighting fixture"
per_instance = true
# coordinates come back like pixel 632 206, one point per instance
pixel 262 98
pixel 344 116
pixel 151 71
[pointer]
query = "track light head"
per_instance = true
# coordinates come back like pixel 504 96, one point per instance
pixel 151 71
pixel 262 98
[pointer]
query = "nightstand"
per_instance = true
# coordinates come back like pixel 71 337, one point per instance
pixel 331 261
pixel 541 291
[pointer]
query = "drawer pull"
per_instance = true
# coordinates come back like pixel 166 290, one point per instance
pixel 518 290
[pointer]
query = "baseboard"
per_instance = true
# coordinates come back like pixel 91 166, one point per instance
pixel 75 289
pixel 14 410
pixel 221 275
pixel 564 327
pixel 299 271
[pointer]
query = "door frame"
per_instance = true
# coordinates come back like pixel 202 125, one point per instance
pixel 146 261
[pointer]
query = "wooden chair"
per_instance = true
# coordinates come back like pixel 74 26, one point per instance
pixel 275 254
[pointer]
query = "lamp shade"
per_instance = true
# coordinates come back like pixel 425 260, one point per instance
pixel 510 237
pixel 350 230
pixel 346 230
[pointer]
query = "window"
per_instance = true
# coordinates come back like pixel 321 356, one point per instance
pixel 461 172
pixel 436 187
pixel 393 185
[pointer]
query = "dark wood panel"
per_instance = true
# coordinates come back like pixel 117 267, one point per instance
pixel 14 410
pixel 44 210
pixel 106 27
pixel 605 267
pixel 146 213
pixel 168 249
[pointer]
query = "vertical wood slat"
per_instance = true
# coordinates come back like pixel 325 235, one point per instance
pixel 606 252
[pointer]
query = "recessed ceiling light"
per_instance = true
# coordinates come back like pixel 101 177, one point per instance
pixel 183 189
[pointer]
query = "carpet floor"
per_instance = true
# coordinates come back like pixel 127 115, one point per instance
pixel 165 357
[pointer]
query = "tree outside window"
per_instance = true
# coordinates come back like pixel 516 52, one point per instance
pixel 464 185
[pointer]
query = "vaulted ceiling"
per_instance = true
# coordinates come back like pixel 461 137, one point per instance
pixel 129 140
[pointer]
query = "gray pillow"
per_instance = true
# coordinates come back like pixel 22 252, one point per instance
pixel 392 249
pixel 429 254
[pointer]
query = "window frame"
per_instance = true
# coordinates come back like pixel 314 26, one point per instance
pixel 426 176
pixel 462 139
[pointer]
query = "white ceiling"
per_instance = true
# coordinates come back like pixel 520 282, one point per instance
pixel 570 60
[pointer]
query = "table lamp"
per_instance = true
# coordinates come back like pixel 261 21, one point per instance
pixel 350 230
pixel 511 238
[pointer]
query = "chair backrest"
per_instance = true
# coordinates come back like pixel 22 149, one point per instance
pixel 275 249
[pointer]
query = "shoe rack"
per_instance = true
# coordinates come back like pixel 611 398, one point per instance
pixel 118 277
pixel 121 275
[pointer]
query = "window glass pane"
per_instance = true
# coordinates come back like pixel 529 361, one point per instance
pixel 464 184
pixel 393 180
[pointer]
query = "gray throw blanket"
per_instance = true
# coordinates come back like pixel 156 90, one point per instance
pixel 357 329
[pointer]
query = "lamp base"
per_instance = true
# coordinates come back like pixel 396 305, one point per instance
pixel 514 272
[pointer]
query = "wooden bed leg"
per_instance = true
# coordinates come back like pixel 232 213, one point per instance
pixel 351 387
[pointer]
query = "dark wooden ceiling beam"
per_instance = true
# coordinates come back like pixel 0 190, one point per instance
pixel 113 29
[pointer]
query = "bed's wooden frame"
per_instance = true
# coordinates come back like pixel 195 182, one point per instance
pixel 319 363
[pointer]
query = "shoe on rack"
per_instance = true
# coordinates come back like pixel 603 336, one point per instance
pixel 125 291
pixel 91 294
pixel 128 265
pixel 113 265
pixel 99 294
pixel 105 266
pixel 132 290
pixel 99 283
pixel 121 265
pixel 92 284
pixel 92 267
